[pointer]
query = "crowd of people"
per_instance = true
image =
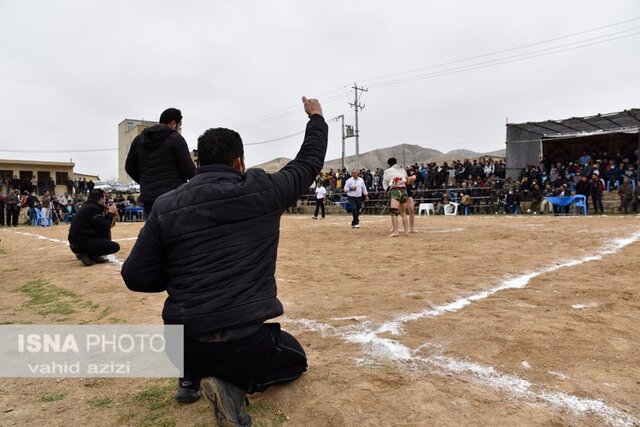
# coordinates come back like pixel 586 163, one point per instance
pixel 39 186
pixel 27 207
pixel 481 186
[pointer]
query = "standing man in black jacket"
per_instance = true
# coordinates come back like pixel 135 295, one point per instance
pixel 212 245
pixel 90 231
pixel 159 158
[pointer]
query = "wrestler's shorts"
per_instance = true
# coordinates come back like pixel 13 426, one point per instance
pixel 399 194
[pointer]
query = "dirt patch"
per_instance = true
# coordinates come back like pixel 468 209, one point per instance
pixel 473 321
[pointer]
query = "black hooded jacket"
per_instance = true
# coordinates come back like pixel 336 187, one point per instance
pixel 159 161
pixel 212 243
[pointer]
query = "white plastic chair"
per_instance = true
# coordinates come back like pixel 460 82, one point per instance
pixel 426 207
pixel 451 208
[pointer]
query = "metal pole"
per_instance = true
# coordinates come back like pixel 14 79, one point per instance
pixel 343 139
pixel 404 164
pixel 357 131
pixel 357 107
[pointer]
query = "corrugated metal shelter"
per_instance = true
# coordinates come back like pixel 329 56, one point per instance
pixel 564 140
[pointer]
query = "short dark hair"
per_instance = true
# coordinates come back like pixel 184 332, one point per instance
pixel 392 161
pixel 169 115
pixel 219 146
pixel 96 194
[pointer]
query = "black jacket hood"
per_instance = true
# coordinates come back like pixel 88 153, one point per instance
pixel 153 136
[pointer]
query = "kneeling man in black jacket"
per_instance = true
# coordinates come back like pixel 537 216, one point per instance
pixel 211 244
pixel 90 231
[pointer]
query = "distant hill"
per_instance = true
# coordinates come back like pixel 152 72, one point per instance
pixel 405 153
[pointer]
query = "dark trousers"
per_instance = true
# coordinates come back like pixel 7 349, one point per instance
pixel 356 204
pixel 597 204
pixel 2 209
pixel 267 357
pixel 95 247
pixel 319 205
pixel 13 213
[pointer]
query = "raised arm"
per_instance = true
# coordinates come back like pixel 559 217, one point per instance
pixel 296 177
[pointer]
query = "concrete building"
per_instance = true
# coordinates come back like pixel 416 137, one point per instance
pixel 128 129
pixel 28 169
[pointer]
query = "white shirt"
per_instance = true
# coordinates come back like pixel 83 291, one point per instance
pixel 355 187
pixel 394 177
pixel 320 192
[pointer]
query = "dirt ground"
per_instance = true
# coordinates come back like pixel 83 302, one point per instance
pixel 478 320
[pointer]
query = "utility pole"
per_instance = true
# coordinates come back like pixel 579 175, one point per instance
pixel 357 107
pixel 341 117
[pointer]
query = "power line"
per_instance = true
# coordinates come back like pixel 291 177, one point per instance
pixel 485 64
pixel 501 51
pixel 508 59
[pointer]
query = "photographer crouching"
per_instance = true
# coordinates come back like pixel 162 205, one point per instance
pixel 90 231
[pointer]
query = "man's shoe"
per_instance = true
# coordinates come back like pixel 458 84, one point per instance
pixel 99 259
pixel 356 226
pixel 227 401
pixel 314 217
pixel 85 259
pixel 188 391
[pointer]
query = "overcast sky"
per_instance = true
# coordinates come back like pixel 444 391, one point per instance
pixel 70 71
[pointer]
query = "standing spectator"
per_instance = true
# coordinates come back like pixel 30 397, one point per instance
pixel 321 199
pixel 159 158
pixel 626 195
pixel 32 202
pixel 2 209
pixel 597 186
pixel 90 186
pixel 69 185
pixel 583 188
pixel 45 202
pixel 12 203
pixel 356 190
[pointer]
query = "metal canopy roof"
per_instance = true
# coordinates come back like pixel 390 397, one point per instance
pixel 627 120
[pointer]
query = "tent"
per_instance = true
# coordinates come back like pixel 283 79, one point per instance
pixel 565 140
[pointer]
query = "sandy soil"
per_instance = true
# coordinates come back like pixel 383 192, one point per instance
pixel 473 321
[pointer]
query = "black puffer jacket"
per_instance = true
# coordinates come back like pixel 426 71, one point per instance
pixel 159 161
pixel 90 223
pixel 212 243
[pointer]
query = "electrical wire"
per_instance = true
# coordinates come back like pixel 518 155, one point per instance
pixel 365 81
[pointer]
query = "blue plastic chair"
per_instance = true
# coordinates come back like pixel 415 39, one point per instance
pixel 41 220
pixel 581 202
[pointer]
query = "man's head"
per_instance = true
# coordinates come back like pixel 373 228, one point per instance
pixel 392 161
pixel 97 195
pixel 221 146
pixel 171 117
pixel 354 173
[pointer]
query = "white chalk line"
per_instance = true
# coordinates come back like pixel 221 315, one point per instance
pixel 395 326
pixel 112 258
pixel 393 350
pixel 380 347
pixel 390 349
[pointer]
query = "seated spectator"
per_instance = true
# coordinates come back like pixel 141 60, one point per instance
pixel 512 202
pixel 546 206
pixel 90 231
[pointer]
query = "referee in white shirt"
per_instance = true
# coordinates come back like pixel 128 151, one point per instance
pixel 321 194
pixel 355 189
